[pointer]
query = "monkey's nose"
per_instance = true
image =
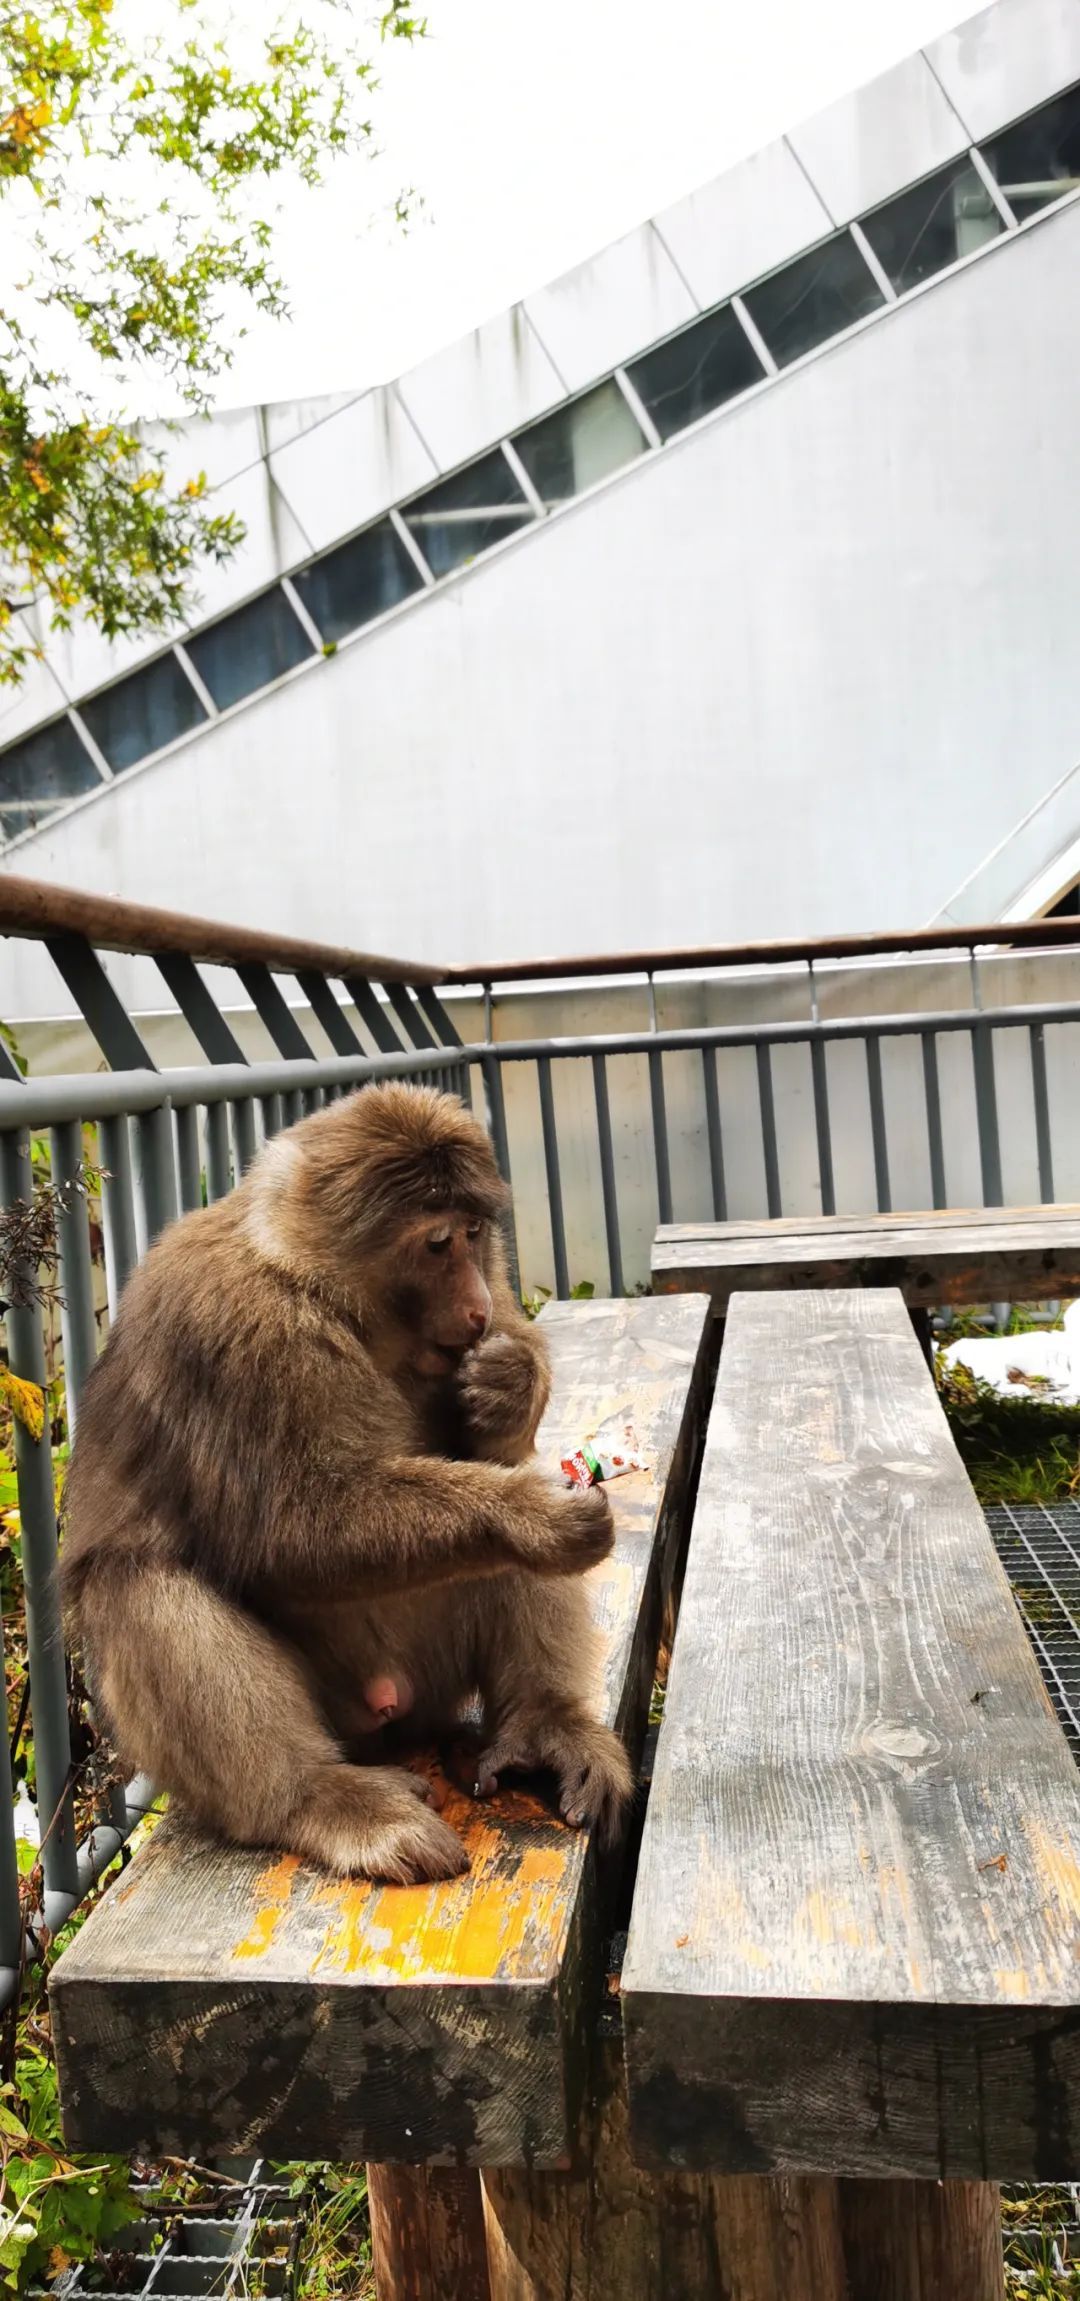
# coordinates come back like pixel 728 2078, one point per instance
pixel 478 1322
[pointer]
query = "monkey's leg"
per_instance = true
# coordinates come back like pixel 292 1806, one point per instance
pixel 219 1710
pixel 538 1668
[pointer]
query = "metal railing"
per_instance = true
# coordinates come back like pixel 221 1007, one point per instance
pixel 638 1124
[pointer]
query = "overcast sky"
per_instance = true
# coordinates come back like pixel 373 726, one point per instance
pixel 536 131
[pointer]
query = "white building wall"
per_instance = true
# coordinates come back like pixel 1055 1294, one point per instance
pixel 798 673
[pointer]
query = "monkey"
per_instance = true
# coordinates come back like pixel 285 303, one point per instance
pixel 304 1506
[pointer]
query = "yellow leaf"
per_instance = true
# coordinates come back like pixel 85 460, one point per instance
pixel 26 1401
pixel 59 2260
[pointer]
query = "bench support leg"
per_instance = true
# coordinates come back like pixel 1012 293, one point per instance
pixel 609 2232
pixel 923 2240
pixel 427 2233
pixel 922 1321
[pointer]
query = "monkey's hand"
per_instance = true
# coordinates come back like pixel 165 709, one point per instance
pixel 571 1531
pixel 503 1389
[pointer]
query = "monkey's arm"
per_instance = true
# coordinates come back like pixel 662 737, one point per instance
pixel 412 1521
pixel 506 1382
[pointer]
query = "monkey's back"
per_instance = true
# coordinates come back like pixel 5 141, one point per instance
pixel 189 1420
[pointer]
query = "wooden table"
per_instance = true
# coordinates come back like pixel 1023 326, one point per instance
pixel 964 1255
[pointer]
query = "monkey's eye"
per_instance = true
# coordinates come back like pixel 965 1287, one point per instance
pixel 474 1230
pixel 438 1245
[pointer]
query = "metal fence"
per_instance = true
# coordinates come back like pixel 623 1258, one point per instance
pixel 165 1140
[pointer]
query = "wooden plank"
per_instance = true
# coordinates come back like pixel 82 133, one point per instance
pixel 221 2000
pixel 855 1943
pixel 991 1255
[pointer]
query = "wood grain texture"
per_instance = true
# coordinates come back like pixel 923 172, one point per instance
pixel 856 1927
pixel 609 2231
pixel 989 1254
pixel 427 2233
pixel 223 2001
pixel 922 2240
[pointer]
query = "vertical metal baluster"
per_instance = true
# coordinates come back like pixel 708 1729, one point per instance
pixel 270 1106
pixel 37 1512
pixel 491 1070
pixel 293 1106
pixel 660 1134
pixel 986 1112
pixel 616 1281
pixel 75 1269
pixel 1037 1040
pixel 877 1125
pixel 773 1199
pixel 244 1134
pixel 554 1180
pixel 820 1079
pixel 188 1160
pixel 218 1157
pixel 715 1133
pixel 155 1175
pixel 935 1139
pixel 117 1208
pixel 493 1089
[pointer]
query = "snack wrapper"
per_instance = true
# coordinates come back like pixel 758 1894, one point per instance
pixel 609 1452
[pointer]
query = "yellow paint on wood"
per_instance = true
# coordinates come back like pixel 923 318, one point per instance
pixel 1057 1865
pixel 274 1889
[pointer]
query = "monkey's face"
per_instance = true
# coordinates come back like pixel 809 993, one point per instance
pixel 440 1295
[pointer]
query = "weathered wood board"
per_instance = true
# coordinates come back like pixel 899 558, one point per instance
pixel 986 1254
pixel 855 1942
pixel 222 2000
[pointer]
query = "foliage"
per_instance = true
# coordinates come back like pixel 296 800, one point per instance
pixel 1040 2264
pixel 1024 1449
pixel 132 153
pixel 532 1304
pixel 54 2210
pixel 330 2248
pixel 28 1236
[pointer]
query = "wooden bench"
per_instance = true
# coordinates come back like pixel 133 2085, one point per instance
pixel 221 2002
pixel 854 1955
pixel 992 1254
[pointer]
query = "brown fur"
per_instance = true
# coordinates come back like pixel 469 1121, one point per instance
pixel 303 1463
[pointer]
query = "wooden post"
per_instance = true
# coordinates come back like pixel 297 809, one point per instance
pixel 609 2232
pixel 427 2233
pixel 922 2240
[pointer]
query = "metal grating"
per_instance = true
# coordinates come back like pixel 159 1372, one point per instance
pixel 1039 1547
pixel 244 2247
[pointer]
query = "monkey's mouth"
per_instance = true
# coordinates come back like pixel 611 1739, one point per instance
pixel 445 1357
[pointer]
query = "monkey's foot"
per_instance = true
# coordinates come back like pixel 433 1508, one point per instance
pixel 589 1763
pixel 377 1822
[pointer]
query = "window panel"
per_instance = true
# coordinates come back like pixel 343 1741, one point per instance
pixel 1038 159
pixel 465 515
pixel 580 444
pixel 359 580
pixel 814 298
pixel 247 650
pixel 142 713
pixel 40 774
pixel 932 225
pixel 695 371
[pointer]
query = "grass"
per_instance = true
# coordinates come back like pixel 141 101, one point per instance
pixel 1039 2265
pixel 1022 1450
